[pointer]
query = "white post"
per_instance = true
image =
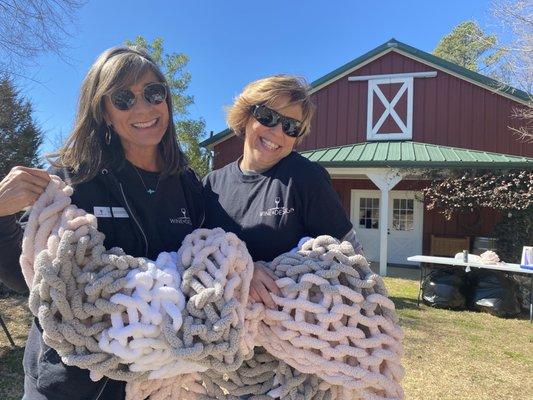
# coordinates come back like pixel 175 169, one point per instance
pixel 383 231
pixel 385 180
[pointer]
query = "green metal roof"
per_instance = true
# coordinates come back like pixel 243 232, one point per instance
pixel 216 138
pixel 519 95
pixel 409 154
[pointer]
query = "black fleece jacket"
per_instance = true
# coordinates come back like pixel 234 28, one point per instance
pixel 46 377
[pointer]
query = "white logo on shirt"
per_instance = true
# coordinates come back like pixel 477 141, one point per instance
pixel 181 220
pixel 276 210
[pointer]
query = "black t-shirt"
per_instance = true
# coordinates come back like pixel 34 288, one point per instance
pixel 271 211
pixel 164 215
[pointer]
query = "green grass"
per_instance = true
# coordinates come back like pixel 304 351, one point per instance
pixel 448 354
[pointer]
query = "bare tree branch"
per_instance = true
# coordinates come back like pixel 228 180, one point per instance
pixel 29 28
pixel 516 17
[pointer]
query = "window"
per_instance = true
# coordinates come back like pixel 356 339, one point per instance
pixel 402 214
pixel 369 213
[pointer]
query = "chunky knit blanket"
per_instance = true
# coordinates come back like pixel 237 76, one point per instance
pixel 182 326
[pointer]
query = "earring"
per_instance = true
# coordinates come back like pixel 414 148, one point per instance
pixel 108 135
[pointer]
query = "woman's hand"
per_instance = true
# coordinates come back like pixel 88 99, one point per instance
pixel 21 187
pixel 262 284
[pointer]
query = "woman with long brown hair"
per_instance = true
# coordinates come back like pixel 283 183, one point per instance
pixel 125 165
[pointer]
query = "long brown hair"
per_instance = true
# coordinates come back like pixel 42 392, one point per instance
pixel 85 152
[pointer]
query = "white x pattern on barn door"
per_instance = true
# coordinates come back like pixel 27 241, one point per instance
pixel 405 124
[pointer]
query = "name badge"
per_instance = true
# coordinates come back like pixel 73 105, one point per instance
pixel 102 212
pixel 119 212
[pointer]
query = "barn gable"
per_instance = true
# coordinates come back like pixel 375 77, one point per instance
pixel 397 92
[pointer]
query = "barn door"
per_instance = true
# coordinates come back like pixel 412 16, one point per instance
pixel 390 109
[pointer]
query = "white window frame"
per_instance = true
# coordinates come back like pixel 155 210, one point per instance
pixel 406 127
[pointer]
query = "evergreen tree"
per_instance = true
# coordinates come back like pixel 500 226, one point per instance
pixel 189 135
pixel 20 137
pixel 189 131
pixel 468 46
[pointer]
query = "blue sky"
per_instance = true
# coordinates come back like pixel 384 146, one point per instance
pixel 231 43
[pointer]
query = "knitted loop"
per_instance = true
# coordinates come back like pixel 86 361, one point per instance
pixel 264 377
pixel 182 326
pixel 216 282
pixel 334 320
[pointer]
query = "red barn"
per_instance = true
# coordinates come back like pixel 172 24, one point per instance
pixel 389 114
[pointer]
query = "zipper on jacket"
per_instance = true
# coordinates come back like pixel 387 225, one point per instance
pixel 99 394
pixel 135 219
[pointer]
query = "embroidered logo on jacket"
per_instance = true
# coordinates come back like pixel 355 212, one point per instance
pixel 276 210
pixel 182 220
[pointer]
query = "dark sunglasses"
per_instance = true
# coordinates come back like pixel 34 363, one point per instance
pixel 154 93
pixel 268 117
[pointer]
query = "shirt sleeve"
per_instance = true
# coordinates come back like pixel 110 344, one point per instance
pixel 352 238
pixel 10 249
pixel 323 211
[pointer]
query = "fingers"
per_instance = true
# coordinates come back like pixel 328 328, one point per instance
pixel 271 286
pixel 268 278
pixel 35 176
pixel 21 188
pixel 31 188
pixel 265 297
pixel 270 273
pixel 33 171
pixel 262 285
pixel 253 295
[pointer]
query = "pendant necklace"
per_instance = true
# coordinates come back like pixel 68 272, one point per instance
pixel 148 190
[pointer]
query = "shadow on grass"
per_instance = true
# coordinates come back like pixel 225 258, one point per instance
pixel 11 359
pixel 403 303
pixel 11 372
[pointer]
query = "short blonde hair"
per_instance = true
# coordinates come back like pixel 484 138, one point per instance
pixel 267 91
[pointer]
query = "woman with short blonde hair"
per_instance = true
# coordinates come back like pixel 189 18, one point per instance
pixel 271 197
pixel 267 91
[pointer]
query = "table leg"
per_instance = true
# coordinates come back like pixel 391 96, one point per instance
pixel 530 298
pixel 422 276
pixel 4 327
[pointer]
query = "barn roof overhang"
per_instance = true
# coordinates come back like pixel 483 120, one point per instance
pixel 412 155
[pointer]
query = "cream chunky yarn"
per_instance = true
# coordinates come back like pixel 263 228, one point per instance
pixel 334 320
pixel 182 327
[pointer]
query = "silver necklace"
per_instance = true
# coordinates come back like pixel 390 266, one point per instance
pixel 149 191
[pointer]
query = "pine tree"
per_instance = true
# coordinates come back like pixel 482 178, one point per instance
pixel 468 46
pixel 20 137
pixel 189 134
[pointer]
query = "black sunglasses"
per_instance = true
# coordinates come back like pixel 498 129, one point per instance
pixel 268 117
pixel 154 93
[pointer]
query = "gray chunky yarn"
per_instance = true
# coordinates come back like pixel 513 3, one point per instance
pixel 333 336
pixel 264 377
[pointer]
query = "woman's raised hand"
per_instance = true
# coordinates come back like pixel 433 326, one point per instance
pixel 262 284
pixel 20 188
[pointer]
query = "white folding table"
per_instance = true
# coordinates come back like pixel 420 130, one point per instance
pixel 509 268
